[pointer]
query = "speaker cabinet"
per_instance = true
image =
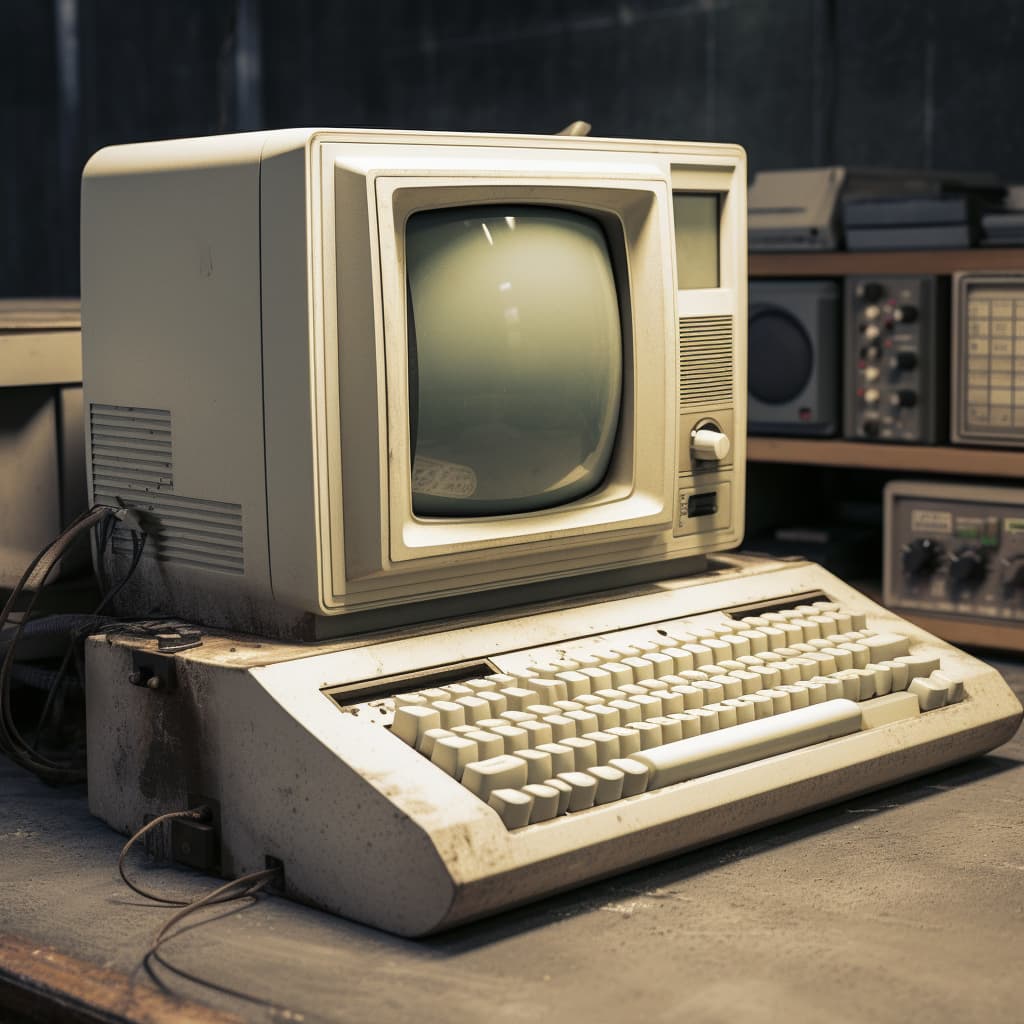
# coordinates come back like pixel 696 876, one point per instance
pixel 793 359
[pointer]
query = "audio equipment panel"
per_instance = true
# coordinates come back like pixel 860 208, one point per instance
pixel 988 359
pixel 793 357
pixel 896 369
pixel 955 549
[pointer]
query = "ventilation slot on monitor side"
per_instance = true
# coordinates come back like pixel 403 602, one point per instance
pixel 132 464
pixel 705 360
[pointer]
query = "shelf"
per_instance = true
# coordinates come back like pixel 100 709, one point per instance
pixel 1006 636
pixel 904 458
pixel 917 261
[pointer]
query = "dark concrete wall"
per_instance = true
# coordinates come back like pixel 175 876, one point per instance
pixel 916 83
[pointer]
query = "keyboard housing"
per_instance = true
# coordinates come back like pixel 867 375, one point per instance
pixel 365 827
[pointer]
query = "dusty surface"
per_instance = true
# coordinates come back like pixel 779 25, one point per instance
pixel 903 905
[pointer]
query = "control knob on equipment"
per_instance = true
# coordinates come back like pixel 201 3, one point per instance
pixel 904 399
pixel 870 291
pixel 904 314
pixel 921 557
pixel 709 444
pixel 967 567
pixel 1012 573
pixel 903 361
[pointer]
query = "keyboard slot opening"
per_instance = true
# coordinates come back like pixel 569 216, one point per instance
pixel 345 694
pixel 777 605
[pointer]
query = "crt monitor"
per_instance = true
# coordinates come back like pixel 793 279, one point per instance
pixel 353 379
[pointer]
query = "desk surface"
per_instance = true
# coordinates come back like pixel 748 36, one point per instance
pixel 903 905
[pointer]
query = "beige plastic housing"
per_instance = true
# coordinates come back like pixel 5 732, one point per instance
pixel 244 333
pixel 368 828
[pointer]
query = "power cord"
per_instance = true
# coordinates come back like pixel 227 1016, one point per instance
pixel 52 768
pixel 246 886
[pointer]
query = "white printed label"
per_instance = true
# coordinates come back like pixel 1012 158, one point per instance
pixel 928 520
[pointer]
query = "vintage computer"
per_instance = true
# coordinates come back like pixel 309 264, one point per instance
pixel 438 438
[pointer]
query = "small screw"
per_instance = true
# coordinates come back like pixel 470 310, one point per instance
pixel 154 683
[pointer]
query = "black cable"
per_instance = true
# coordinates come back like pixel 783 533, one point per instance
pixel 34 579
pixel 254 882
pixel 248 885
pixel 138 546
pixel 194 814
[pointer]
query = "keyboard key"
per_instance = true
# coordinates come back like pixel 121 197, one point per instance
pixel 893 707
pixel 761 703
pixel 931 693
pixel 708 720
pixel 575 683
pixel 426 742
pixel 634 775
pixel 744 711
pixel 519 698
pixel 513 805
pixel 583 789
pixel 584 752
pixel 754 741
pixel 798 696
pixel 900 674
pixel 689 722
pixel 513 737
pixel 491 746
pixel 671 730
pixel 545 801
pixel 564 791
pixel 502 772
pixel 609 783
pixel 861 654
pixel 919 665
pixel 954 686
pixel 452 753
pixel 606 745
pixel 452 714
pixel 537 732
pixel 539 764
pixel 561 727
pixel 886 646
pixel 413 720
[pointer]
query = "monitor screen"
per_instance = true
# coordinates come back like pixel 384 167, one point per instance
pixel 515 358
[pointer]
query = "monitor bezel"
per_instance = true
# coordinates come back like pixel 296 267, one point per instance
pixel 636 492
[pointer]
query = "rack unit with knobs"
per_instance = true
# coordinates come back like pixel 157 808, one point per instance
pixel 887 460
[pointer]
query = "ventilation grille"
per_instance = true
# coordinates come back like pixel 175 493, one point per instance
pixel 131 448
pixel 705 360
pixel 132 465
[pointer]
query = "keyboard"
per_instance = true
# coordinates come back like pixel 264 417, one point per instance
pixel 413 782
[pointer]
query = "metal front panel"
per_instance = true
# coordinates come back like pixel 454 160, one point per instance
pixel 988 359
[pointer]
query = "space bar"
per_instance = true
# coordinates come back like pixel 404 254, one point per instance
pixel 751 741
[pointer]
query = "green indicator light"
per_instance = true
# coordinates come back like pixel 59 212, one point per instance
pixel 1014 525
pixel 967 531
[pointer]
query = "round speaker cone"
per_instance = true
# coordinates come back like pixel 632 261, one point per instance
pixel 779 357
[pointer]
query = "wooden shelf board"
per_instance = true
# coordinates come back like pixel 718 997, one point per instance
pixel 947 461
pixel 900 261
pixel 1006 636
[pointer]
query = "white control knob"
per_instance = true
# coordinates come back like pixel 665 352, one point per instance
pixel 710 445
pixel 871 332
